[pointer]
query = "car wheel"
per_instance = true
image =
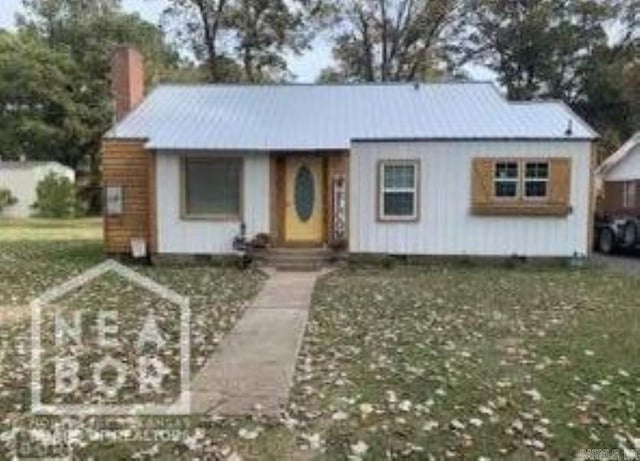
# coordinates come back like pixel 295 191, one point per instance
pixel 606 242
pixel 629 235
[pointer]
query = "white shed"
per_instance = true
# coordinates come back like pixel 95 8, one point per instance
pixel 22 178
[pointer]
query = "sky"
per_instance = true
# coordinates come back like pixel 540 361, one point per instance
pixel 306 67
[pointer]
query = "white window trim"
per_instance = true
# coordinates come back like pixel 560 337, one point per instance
pixel 521 180
pixel 515 180
pixel 382 190
pixel 526 180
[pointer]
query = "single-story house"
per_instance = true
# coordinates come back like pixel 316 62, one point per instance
pixel 402 169
pixel 21 178
pixel 618 180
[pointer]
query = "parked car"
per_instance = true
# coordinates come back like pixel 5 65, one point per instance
pixel 619 234
pixel 618 203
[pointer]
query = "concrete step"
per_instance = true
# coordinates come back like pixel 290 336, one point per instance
pixel 298 267
pixel 296 259
pixel 299 251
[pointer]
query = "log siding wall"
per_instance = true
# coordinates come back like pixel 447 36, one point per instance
pixel 128 164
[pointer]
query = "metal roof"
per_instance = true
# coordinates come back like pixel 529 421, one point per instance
pixel 300 117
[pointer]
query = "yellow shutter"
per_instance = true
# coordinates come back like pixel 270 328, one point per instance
pixel 560 181
pixel 482 182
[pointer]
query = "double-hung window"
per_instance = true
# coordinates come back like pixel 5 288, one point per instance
pixel 506 180
pixel 536 180
pixel 212 188
pixel 398 194
pixel 524 186
pixel 527 180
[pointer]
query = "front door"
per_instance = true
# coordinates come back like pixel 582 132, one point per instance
pixel 304 195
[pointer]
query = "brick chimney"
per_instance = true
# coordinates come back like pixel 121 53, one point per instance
pixel 127 80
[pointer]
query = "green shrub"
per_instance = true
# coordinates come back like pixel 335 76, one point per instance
pixel 6 199
pixel 55 197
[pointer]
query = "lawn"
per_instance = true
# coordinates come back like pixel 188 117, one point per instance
pixel 12 230
pixel 457 362
pixel 29 266
pixel 452 363
pixel 471 362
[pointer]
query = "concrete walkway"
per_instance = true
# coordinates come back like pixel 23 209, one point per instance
pixel 252 371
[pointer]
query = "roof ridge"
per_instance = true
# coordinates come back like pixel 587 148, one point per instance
pixel 311 84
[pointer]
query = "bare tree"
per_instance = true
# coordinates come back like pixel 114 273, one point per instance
pixel 262 31
pixel 391 40
pixel 200 22
pixel 241 39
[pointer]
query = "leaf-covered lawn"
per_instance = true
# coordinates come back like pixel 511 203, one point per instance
pixel 470 362
pixel 37 253
pixel 217 298
pixel 448 362
pixel 453 363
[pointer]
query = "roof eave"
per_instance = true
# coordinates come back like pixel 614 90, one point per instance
pixel 618 155
pixel 478 139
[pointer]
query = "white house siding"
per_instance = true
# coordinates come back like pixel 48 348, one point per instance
pixel 446 225
pixel 22 180
pixel 179 236
pixel 628 169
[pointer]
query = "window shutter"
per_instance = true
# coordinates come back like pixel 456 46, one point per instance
pixel 560 181
pixel 482 182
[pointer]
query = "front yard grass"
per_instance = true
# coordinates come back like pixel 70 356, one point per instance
pixel 38 229
pixel 440 362
pixel 28 267
pixel 455 362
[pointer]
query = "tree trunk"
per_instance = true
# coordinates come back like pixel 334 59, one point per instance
pixel 367 51
pixel 248 65
pixel 384 65
pixel 211 26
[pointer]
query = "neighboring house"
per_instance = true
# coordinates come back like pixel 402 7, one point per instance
pixel 619 181
pixel 22 178
pixel 410 169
